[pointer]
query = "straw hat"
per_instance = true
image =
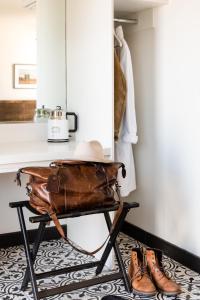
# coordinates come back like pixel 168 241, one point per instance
pixel 90 151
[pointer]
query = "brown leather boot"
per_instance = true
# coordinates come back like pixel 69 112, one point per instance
pixel 140 280
pixel 165 285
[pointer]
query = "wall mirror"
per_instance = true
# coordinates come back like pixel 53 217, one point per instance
pixel 33 51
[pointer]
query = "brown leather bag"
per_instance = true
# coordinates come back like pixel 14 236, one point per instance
pixel 71 185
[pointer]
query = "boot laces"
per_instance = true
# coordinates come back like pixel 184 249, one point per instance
pixel 142 270
pixel 157 268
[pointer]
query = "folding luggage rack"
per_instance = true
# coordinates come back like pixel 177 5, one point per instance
pixel 31 276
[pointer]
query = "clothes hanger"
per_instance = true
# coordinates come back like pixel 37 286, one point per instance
pixel 118 40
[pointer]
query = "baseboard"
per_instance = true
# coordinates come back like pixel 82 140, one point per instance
pixel 182 256
pixel 15 238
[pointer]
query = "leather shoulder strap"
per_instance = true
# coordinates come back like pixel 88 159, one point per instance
pixel 60 230
pixel 54 218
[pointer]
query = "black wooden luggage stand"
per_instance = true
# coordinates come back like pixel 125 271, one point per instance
pixel 31 276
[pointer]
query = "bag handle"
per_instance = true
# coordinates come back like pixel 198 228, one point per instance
pixel 60 230
pixel 116 217
pixel 54 218
pixel 71 243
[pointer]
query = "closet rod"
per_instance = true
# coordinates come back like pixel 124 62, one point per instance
pixel 128 21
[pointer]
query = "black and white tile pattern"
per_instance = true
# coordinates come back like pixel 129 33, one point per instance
pixel 58 253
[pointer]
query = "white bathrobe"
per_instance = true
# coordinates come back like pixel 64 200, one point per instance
pixel 128 132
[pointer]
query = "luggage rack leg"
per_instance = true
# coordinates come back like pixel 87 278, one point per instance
pixel 28 253
pixel 118 256
pixel 36 244
pixel 111 244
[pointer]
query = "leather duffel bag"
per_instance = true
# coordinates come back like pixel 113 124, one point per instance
pixel 71 185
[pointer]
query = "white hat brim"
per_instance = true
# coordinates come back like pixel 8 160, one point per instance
pixel 92 159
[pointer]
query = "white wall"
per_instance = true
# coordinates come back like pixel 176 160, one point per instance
pixel 166 66
pixel 10 192
pixel 90 91
pixel 51 53
pixel 18 46
pixel 90 68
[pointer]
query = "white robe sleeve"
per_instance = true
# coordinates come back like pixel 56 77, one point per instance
pixel 128 133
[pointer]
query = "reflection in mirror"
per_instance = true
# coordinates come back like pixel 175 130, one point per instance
pixel 18 47
pixel 32 33
pixel 51 38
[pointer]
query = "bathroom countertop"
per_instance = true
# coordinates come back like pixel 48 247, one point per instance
pixel 20 154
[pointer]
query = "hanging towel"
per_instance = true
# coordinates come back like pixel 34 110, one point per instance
pixel 128 134
pixel 120 95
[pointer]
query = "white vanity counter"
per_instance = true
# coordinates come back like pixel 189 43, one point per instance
pixel 15 155
pixel 19 154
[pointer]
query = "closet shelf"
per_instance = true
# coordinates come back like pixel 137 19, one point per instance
pixel 131 6
pixel 128 21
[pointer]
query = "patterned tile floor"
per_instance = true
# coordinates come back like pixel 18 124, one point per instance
pixel 13 264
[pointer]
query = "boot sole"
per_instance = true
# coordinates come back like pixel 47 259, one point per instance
pixel 148 294
pixel 169 294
